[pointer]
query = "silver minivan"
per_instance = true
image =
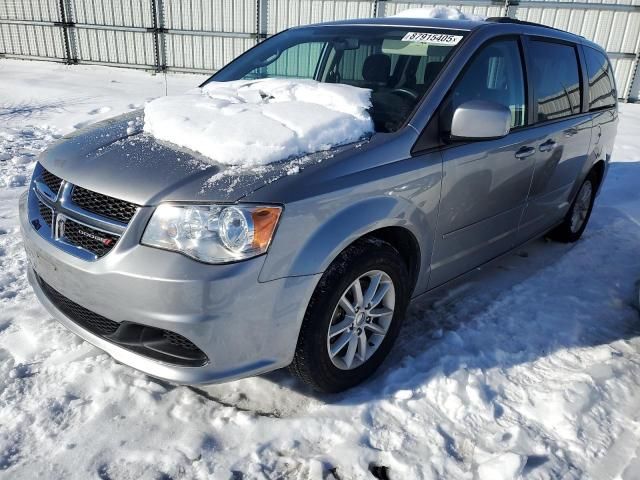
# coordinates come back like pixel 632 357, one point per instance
pixel 487 134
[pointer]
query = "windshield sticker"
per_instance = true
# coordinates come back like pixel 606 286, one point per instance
pixel 432 38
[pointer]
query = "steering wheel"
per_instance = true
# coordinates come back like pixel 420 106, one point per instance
pixel 405 92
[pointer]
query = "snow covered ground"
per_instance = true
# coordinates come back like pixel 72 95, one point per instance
pixel 532 369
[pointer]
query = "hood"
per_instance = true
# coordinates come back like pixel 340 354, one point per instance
pixel 116 158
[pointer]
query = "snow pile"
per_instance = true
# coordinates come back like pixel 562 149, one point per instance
pixel 256 122
pixel 449 13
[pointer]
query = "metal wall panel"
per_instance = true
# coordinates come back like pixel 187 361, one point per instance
pixel 283 14
pixel 239 16
pixel 622 70
pixel 203 35
pixel 39 10
pixel 112 32
pixel 120 13
pixel 594 3
pixel 38 41
pixel 614 30
pixel 201 53
pixel 123 48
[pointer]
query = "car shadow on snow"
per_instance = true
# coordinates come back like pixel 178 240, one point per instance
pixel 539 299
pixel 27 109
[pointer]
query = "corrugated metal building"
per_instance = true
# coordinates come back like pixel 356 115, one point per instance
pixel 203 35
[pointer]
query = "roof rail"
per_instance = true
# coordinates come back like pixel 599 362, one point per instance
pixel 519 22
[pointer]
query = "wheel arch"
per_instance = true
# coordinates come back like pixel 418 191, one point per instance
pixel 599 170
pixel 392 219
pixel 405 242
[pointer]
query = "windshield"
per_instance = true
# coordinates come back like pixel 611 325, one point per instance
pixel 398 64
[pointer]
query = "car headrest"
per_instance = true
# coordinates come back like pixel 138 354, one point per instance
pixel 377 68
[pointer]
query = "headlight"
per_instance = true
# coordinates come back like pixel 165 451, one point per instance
pixel 213 233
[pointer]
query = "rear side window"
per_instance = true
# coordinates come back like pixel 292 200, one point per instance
pixel 555 77
pixel 602 90
pixel 494 74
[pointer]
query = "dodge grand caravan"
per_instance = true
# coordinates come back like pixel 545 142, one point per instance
pixel 487 134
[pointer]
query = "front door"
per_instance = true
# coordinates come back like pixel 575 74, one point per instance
pixel 485 183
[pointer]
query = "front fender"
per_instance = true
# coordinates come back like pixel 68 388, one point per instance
pixel 310 237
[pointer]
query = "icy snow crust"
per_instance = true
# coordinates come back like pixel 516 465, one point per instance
pixel 257 122
pixel 450 13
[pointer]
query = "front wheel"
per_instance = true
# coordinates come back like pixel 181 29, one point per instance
pixel 353 318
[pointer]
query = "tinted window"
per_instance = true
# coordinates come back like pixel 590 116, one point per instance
pixel 396 63
pixel 299 61
pixel 494 74
pixel 602 91
pixel 556 80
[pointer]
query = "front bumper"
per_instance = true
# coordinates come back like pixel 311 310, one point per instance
pixel 245 327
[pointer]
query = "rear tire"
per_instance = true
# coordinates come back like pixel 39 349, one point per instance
pixel 343 340
pixel 575 222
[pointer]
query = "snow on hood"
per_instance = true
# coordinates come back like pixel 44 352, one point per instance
pixel 450 13
pixel 256 122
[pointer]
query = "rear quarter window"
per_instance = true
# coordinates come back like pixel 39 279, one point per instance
pixel 602 89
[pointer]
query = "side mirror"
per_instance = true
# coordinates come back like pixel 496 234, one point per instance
pixel 480 120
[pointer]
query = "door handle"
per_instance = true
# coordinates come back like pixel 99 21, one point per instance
pixel 547 146
pixel 524 152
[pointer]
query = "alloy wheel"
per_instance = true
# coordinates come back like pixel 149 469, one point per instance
pixel 361 320
pixel 581 207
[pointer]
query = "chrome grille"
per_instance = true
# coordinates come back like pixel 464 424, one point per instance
pixel 104 205
pixel 81 222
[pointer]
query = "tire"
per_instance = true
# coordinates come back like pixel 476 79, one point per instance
pixel 575 222
pixel 368 260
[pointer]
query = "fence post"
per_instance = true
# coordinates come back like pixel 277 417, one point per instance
pixel 511 8
pixel 68 32
pixel 379 8
pixel 634 73
pixel 158 30
pixel 262 25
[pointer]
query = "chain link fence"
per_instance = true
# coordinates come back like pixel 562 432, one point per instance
pixel 204 35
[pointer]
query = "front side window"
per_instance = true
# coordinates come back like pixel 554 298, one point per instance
pixel 494 74
pixel 398 64
pixel 299 61
pixel 556 80
pixel 602 90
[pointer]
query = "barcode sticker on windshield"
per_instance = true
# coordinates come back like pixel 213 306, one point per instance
pixel 432 38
